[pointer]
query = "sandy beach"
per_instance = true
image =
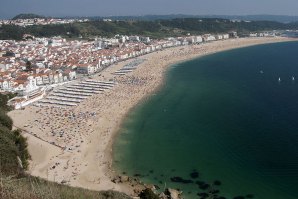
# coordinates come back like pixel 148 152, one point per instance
pixel 74 145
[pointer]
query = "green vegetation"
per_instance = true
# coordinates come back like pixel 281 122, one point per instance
pixel 27 16
pixel 278 18
pixel 5 121
pixel 22 147
pixel 154 29
pixel 202 26
pixel 4 99
pixel 11 32
pixel 12 144
pixel 8 152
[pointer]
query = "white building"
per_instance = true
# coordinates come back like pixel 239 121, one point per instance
pixel 39 80
pixel 199 39
pixel 145 39
pixel 209 37
pixel 31 85
pixel 4 85
pixel 226 36
pixel 134 38
pixel 219 37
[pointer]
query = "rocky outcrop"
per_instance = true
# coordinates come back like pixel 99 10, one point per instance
pixel 131 181
pixel 163 196
pixel 139 187
pixel 173 193
pixel 121 179
pixel 124 179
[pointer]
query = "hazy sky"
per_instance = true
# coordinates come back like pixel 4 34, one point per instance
pixel 10 8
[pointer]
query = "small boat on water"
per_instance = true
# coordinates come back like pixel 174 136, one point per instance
pixel 293 78
pixel 279 80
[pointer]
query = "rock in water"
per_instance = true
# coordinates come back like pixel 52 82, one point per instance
pixel 194 174
pixel 181 180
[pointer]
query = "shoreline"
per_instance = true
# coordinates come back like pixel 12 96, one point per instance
pixel 88 164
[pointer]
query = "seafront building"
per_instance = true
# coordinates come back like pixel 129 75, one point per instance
pixel 31 67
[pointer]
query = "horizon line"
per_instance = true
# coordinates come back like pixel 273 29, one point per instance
pixel 144 15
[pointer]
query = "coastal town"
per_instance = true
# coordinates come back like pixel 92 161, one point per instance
pixel 33 67
pixel 36 65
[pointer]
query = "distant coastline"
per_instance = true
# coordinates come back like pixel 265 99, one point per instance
pixel 90 166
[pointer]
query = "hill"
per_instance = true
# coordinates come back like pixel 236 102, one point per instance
pixel 276 18
pixel 155 29
pixel 27 16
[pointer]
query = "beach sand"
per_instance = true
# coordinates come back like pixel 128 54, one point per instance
pixel 82 156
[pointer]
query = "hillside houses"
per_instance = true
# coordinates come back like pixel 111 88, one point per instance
pixel 40 21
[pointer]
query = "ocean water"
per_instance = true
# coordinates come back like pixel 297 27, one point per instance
pixel 224 117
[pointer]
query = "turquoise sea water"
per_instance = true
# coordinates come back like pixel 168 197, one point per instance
pixel 223 117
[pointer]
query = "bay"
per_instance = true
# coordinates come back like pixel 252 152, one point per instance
pixel 225 117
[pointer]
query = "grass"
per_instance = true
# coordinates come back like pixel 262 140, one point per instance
pixel 29 187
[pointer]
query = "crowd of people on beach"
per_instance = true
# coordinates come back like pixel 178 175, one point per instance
pixel 61 127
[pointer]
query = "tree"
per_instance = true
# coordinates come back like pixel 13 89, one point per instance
pixel 22 146
pixel 28 66
pixel 5 120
